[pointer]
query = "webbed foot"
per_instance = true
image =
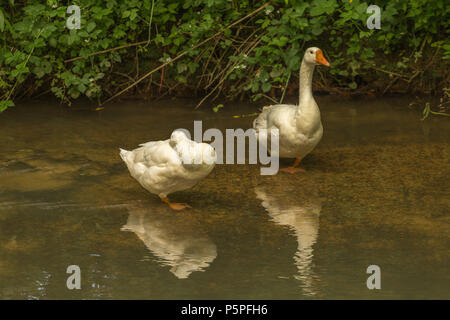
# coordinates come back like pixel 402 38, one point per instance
pixel 175 205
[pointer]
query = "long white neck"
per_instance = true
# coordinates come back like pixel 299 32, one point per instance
pixel 305 77
pixel 308 113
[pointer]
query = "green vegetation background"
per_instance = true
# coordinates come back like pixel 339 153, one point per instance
pixel 257 58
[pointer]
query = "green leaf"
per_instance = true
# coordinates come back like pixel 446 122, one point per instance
pixel 255 86
pixel 217 108
pixel 316 29
pixel 2 21
pixel 81 87
pixel 317 11
pixel 133 14
pixel 91 26
pixel 181 67
pixel 178 41
pixel 266 86
pixel 4 104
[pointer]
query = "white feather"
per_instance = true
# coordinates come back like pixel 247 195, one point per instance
pixel 175 164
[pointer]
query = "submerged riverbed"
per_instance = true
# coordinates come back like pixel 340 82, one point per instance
pixel 375 192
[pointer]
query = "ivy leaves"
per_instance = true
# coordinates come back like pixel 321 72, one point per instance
pixel 323 7
pixel 2 21
pixel 280 33
pixel 4 104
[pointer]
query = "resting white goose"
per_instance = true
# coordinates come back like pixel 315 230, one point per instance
pixel 175 164
pixel 300 127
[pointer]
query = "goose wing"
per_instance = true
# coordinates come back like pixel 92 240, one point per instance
pixel 156 153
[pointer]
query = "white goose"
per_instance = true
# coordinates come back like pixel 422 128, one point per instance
pixel 300 127
pixel 175 164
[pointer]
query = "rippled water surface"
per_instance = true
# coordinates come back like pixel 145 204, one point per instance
pixel 375 191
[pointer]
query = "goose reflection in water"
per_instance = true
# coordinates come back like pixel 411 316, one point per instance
pixel 293 201
pixel 173 238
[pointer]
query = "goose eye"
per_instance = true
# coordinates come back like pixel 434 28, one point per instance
pixel 311 52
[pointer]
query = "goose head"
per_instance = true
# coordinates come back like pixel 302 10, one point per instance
pixel 315 56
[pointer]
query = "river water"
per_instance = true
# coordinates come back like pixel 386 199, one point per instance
pixel 375 192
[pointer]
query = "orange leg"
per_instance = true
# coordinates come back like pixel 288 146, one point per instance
pixel 293 168
pixel 174 205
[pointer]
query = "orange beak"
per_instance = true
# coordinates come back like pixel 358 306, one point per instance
pixel 320 58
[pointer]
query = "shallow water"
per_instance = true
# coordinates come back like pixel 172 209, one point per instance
pixel 375 191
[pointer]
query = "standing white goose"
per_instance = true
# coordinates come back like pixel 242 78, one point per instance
pixel 175 164
pixel 300 127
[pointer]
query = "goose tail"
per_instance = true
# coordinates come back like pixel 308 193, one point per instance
pixel 261 121
pixel 123 154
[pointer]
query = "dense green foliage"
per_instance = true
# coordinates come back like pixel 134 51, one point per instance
pixel 263 52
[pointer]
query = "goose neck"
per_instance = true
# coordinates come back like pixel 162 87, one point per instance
pixel 305 76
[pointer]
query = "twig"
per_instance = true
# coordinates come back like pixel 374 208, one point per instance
pixel 440 113
pixel 137 63
pixel 108 50
pixel 184 53
pixel 150 24
pixel 229 62
pixel 389 72
pixel 390 84
pixel 428 110
pixel 167 92
pixel 210 56
pixel 124 75
pixel 162 75
pixel 42 93
pixel 270 98
pixel 285 87
pixel 230 70
pixel 246 115
pixel 26 61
